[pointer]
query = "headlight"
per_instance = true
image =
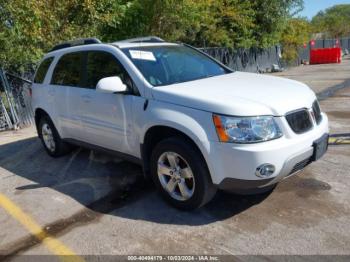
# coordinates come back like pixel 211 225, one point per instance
pixel 246 129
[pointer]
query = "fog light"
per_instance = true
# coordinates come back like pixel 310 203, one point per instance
pixel 265 170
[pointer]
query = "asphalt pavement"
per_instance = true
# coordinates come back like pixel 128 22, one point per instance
pixel 88 203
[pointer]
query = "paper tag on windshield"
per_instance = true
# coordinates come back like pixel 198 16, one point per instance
pixel 142 55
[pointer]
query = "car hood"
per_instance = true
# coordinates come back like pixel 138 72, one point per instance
pixel 238 93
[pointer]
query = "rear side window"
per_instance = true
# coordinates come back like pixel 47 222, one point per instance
pixel 68 70
pixel 100 65
pixel 42 70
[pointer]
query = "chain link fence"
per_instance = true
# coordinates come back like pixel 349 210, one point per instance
pixel 15 102
pixel 5 121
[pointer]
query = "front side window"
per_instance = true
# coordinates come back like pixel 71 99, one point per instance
pixel 42 70
pixel 68 70
pixel 102 64
pixel 166 65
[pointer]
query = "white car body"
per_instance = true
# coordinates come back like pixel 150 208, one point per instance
pixel 120 122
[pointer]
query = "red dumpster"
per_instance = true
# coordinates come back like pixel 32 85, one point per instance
pixel 325 55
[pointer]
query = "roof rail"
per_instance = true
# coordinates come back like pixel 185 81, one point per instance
pixel 147 39
pixel 77 42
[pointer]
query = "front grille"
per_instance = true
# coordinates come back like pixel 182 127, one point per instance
pixel 301 165
pixel 299 121
pixel 317 112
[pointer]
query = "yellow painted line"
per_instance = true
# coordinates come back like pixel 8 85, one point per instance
pixel 338 140
pixel 55 246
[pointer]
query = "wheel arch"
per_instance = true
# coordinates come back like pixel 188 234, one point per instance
pixel 157 133
pixel 38 114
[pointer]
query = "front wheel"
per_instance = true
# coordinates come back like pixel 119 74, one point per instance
pixel 181 174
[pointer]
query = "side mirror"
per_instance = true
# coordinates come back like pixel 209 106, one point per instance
pixel 111 85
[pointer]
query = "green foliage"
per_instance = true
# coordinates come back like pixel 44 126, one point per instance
pixel 226 23
pixel 233 23
pixel 170 19
pixel 30 28
pixel 296 33
pixel 271 18
pixel 334 22
pixel 205 22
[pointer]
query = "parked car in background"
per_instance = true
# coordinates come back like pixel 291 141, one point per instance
pixel 192 123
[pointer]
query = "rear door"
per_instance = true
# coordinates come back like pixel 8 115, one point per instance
pixel 106 118
pixel 66 84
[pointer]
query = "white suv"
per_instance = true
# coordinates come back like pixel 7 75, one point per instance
pixel 192 123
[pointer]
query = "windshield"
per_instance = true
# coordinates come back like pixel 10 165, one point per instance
pixel 166 65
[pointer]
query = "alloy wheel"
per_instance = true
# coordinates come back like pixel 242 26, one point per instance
pixel 176 176
pixel 48 137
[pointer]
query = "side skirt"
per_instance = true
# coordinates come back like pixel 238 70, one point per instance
pixel 118 154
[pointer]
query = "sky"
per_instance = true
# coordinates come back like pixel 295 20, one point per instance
pixel 312 7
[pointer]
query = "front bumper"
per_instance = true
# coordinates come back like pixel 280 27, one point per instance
pixel 292 166
pixel 233 166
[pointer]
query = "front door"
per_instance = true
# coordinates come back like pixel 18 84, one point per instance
pixel 106 118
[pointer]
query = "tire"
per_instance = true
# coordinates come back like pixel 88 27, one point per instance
pixel 190 186
pixel 50 138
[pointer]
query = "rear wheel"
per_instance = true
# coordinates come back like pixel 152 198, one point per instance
pixel 181 174
pixel 50 138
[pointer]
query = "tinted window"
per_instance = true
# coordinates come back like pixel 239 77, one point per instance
pixel 42 70
pixel 166 65
pixel 102 64
pixel 68 70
